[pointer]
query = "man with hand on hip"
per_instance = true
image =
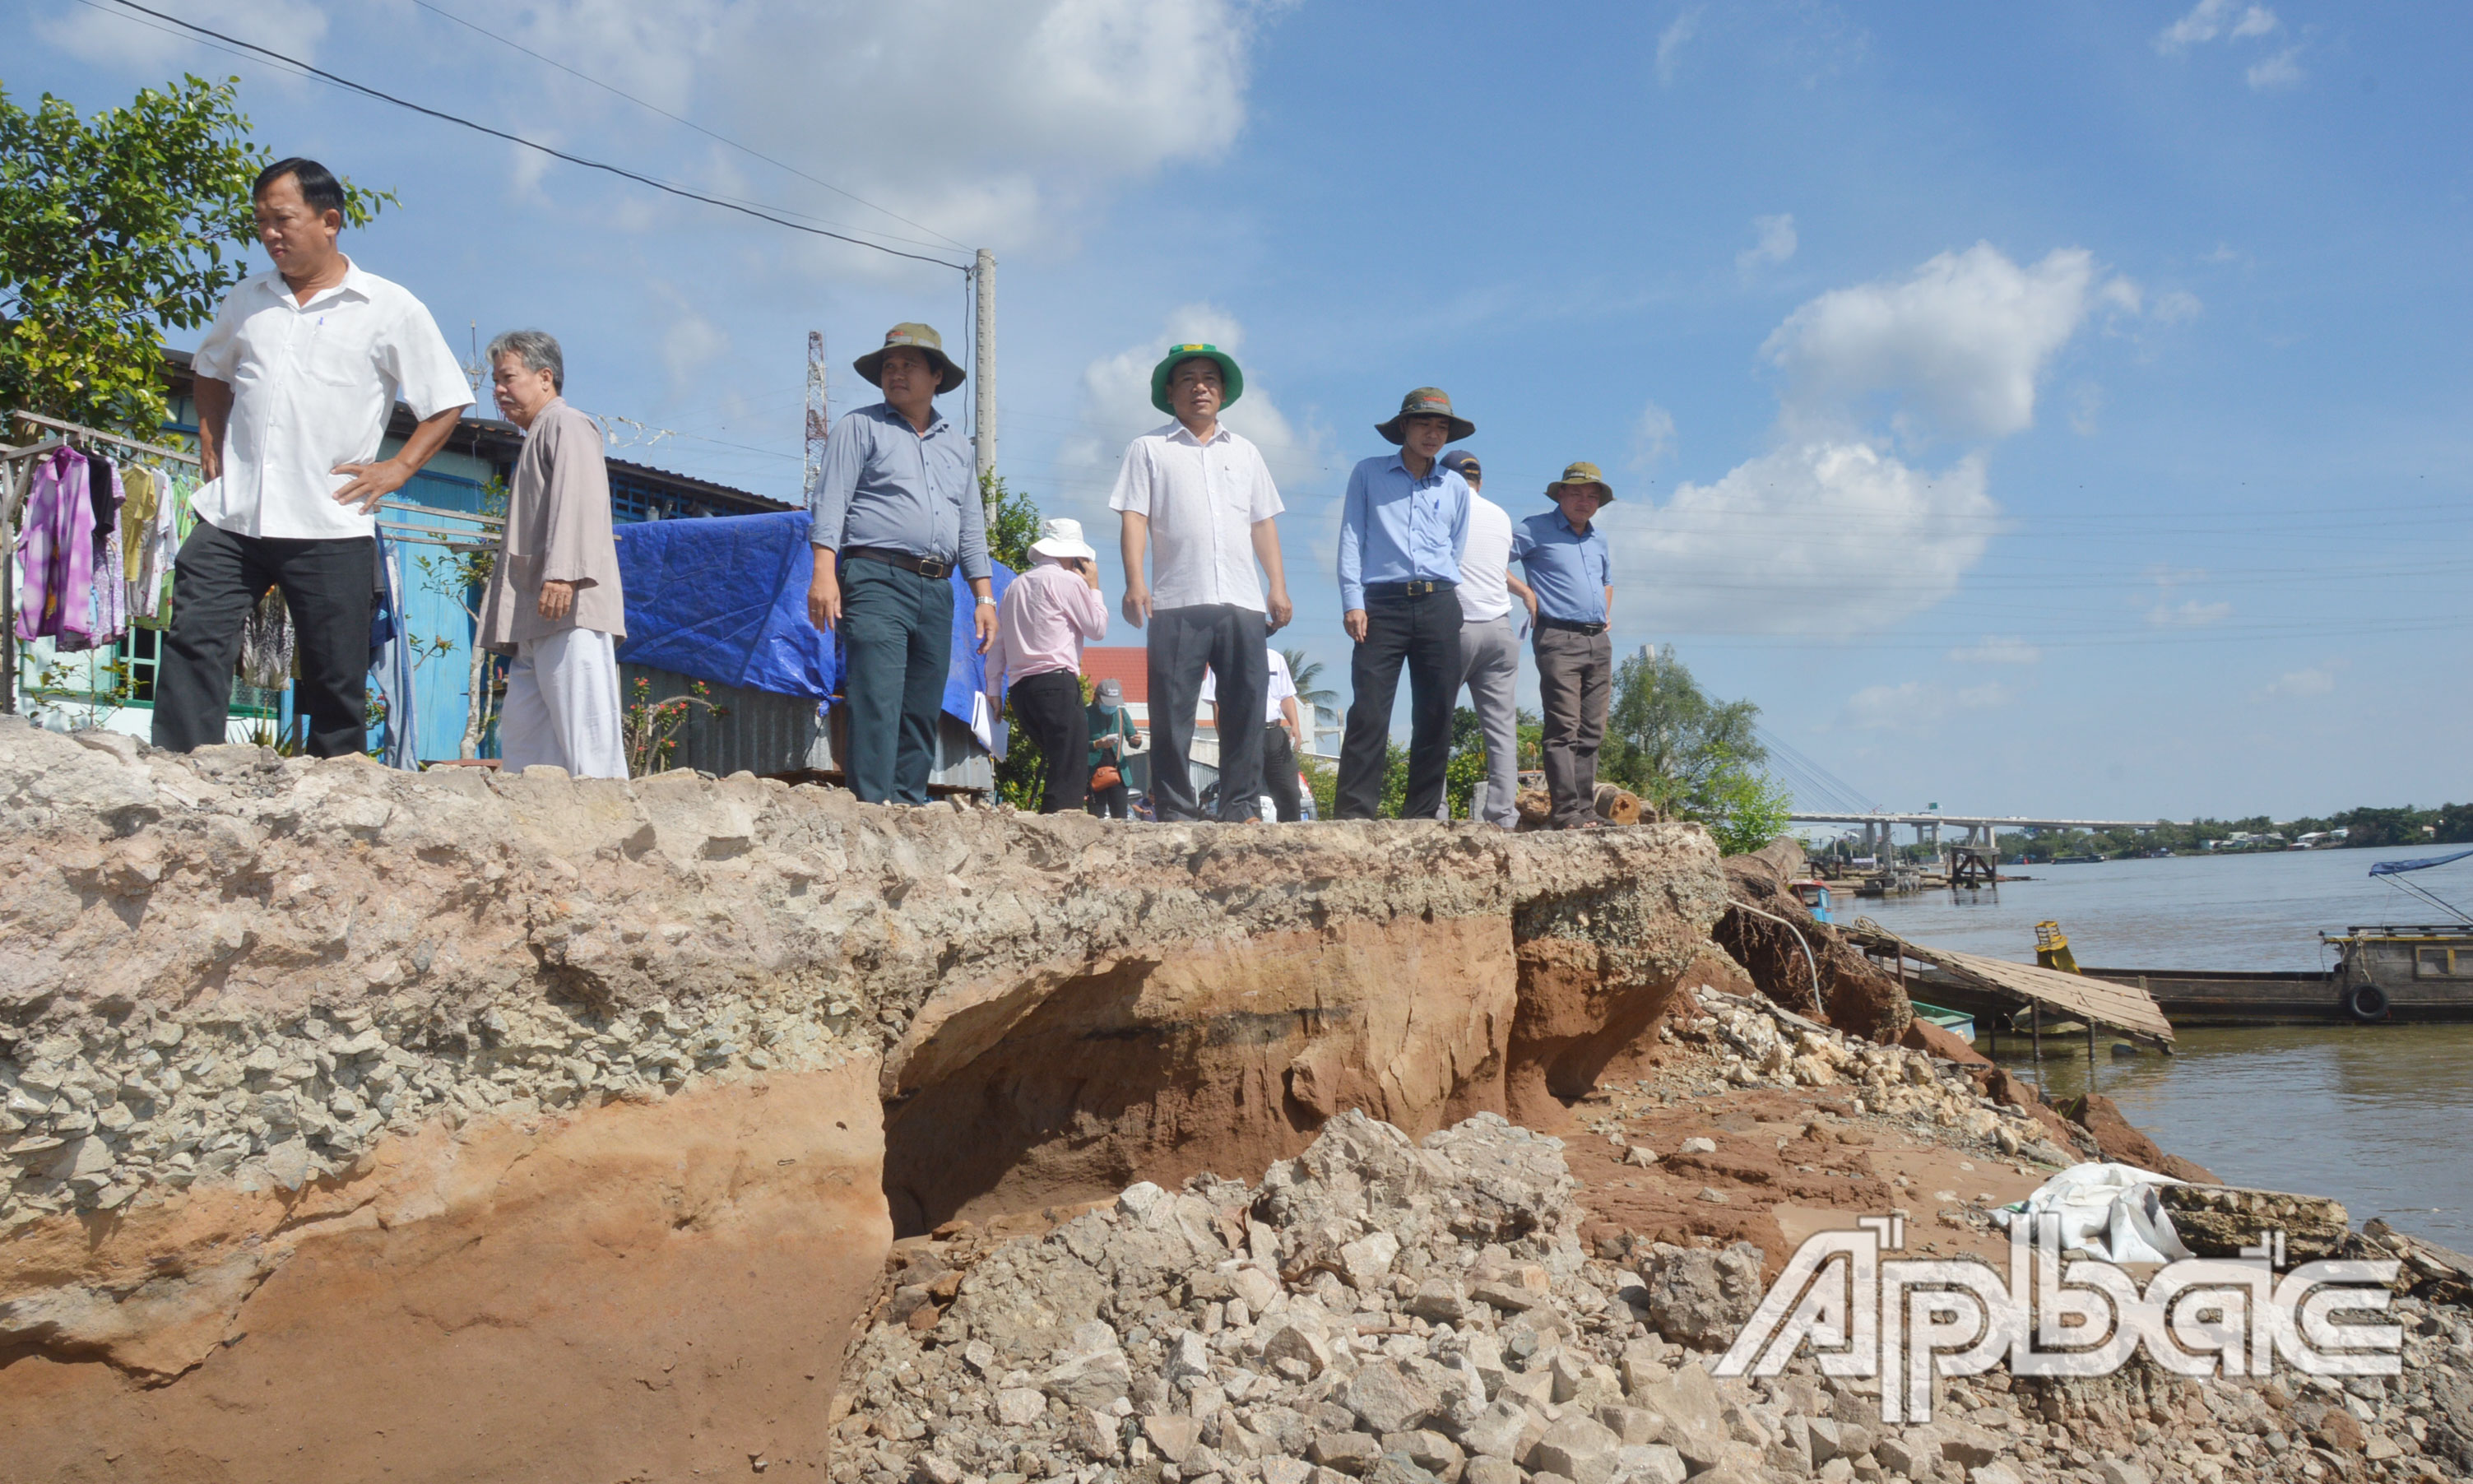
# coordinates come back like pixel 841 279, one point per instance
pixel 1572 574
pixel 895 509
pixel 295 384
pixel 555 602
pixel 1199 501
pixel 1490 638
pixel 1402 532
pixel 1048 614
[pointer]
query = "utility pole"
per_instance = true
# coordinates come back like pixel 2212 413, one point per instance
pixel 819 423
pixel 984 354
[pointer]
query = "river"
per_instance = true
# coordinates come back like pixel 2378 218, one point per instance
pixel 2368 1114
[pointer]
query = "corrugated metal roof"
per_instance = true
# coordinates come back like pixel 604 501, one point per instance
pixel 2122 1007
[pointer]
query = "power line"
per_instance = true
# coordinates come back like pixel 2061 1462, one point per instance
pixel 621 171
pixel 746 150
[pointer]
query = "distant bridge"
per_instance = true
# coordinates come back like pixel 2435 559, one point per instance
pixel 1982 830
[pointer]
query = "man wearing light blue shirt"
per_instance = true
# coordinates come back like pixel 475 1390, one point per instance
pixel 895 511
pixel 1401 533
pixel 1571 596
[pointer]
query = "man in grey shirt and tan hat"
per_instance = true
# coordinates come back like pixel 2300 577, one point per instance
pixel 896 510
pixel 555 602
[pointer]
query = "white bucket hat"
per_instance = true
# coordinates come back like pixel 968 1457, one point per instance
pixel 1061 538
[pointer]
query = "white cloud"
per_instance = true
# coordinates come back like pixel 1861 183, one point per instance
pixel 109 36
pixel 1963 340
pixel 1918 708
pixel 1670 42
pixel 2188 613
pixel 1117 407
pixel 2086 401
pixel 2213 18
pixel 2174 305
pixel 1652 436
pixel 690 344
pixel 1775 243
pixel 1792 541
pixel 2281 70
pixel 994 121
pixel 2300 684
pixel 1999 648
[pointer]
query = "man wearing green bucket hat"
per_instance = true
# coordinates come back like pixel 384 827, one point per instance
pixel 1403 530
pixel 895 509
pixel 1571 581
pixel 1198 501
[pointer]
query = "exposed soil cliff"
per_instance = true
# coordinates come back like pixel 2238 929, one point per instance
pixel 361 1124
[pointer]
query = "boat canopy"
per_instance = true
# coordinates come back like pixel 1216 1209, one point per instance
pixel 2389 867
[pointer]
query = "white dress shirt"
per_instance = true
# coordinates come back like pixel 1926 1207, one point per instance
pixel 312 385
pixel 1203 501
pixel 1280 687
pixel 1484 595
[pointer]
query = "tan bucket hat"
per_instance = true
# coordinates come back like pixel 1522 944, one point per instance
pixel 1583 473
pixel 1425 402
pixel 918 336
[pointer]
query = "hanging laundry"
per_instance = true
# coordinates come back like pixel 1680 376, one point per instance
pixel 106 595
pixel 266 644
pixel 149 596
pixel 57 544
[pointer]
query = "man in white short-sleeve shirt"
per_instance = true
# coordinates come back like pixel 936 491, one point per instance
pixel 1490 633
pixel 294 382
pixel 1282 732
pixel 1198 499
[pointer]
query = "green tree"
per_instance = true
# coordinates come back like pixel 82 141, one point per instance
pixel 1749 810
pixel 1668 742
pixel 1013 520
pixel 113 228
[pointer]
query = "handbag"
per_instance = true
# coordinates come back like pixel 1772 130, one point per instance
pixel 1105 776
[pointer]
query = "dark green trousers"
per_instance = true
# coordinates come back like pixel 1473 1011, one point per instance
pixel 897 647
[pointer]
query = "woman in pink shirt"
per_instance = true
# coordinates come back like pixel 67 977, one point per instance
pixel 1049 613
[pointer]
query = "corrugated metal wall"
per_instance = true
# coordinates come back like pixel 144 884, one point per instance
pixel 761 732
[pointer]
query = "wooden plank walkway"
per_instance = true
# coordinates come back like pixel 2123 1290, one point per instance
pixel 2119 1007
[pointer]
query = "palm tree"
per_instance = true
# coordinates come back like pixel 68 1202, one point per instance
pixel 1305 672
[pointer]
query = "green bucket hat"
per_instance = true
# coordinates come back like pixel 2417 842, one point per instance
pixel 1583 473
pixel 1425 402
pixel 918 336
pixel 1231 378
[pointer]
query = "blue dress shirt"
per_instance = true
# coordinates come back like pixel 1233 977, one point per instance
pixel 1397 528
pixel 1569 570
pixel 886 484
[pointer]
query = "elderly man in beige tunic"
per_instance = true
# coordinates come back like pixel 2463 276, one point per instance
pixel 554 600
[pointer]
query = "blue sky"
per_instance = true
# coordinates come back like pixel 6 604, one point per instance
pixel 2033 410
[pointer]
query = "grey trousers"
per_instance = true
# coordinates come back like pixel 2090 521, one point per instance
pixel 1490 668
pixel 1574 681
pixel 1234 643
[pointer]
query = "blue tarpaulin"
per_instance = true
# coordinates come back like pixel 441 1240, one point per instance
pixel 2389 867
pixel 725 600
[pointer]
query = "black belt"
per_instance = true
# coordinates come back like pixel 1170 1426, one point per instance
pixel 1568 626
pixel 1416 589
pixel 925 566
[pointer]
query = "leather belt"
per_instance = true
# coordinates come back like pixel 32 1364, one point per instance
pixel 925 566
pixel 1415 589
pixel 1568 626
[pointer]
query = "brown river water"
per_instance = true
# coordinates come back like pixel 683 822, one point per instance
pixel 2380 1117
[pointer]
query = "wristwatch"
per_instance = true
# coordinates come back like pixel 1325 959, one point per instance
pixel 986 603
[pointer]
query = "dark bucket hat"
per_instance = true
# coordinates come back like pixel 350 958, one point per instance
pixel 1425 402
pixel 1583 475
pixel 1231 378
pixel 916 337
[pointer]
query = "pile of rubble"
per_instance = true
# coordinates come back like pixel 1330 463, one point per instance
pixel 1424 1313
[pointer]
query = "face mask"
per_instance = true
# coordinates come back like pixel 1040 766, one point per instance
pixel 1109 706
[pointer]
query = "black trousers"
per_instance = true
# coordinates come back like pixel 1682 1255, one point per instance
pixel 1112 803
pixel 1235 644
pixel 1280 773
pixel 327 582
pixel 1049 706
pixel 1423 634
pixel 897 646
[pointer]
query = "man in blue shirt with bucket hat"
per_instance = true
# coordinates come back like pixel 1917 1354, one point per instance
pixel 1403 530
pixel 1570 580
pixel 895 509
